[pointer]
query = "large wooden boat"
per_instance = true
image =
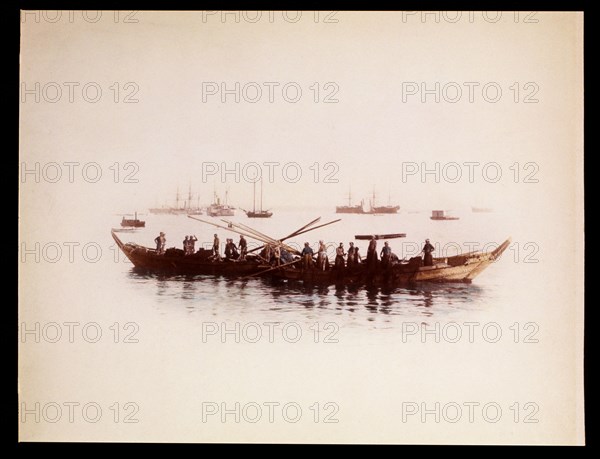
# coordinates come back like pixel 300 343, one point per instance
pixel 461 268
pixel 174 261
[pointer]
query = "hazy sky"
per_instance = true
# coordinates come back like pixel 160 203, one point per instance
pixel 375 65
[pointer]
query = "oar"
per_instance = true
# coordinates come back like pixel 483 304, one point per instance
pixel 250 230
pixel 317 227
pixel 251 236
pixel 270 269
pixel 290 235
pixel 266 238
pixel 300 229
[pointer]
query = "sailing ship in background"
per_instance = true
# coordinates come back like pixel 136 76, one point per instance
pixel 389 209
pixel 360 208
pixel 216 209
pixel 350 209
pixel 481 210
pixel 186 209
pixel 258 213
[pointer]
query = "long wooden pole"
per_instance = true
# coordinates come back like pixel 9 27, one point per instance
pixel 251 236
pixel 292 234
pixel 264 236
pixel 317 227
pixel 302 232
pixel 271 269
pixel 252 230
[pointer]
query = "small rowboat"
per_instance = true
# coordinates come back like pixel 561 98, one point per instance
pixel 367 237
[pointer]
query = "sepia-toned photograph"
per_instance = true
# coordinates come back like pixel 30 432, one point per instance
pixel 301 227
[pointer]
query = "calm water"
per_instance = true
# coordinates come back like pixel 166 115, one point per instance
pixel 173 366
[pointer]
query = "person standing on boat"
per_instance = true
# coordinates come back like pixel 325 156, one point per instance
pixel 322 258
pixel 277 256
pixel 372 252
pixel 192 244
pixel 216 247
pixel 186 248
pixel 234 253
pixel 386 254
pixel 307 256
pixel 427 249
pixel 243 245
pixel 357 257
pixel 350 260
pixel 267 253
pixel 160 243
pixel 339 256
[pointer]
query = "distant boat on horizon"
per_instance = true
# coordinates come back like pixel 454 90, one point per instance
pixel 389 209
pixel 216 209
pixel 350 209
pixel 132 222
pixel 479 210
pixel 257 213
pixel 441 215
pixel 186 209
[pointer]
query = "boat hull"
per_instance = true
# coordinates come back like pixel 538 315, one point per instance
pixel 144 258
pixel 385 210
pixel 259 214
pixel 460 268
pixel 349 210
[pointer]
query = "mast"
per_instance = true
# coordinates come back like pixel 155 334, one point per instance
pixel 349 196
pixel 261 193
pixel 254 196
pixel 177 199
pixel 189 202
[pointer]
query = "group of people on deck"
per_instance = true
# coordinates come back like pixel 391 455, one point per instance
pixel 231 249
pixel 275 255
pixel 353 257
